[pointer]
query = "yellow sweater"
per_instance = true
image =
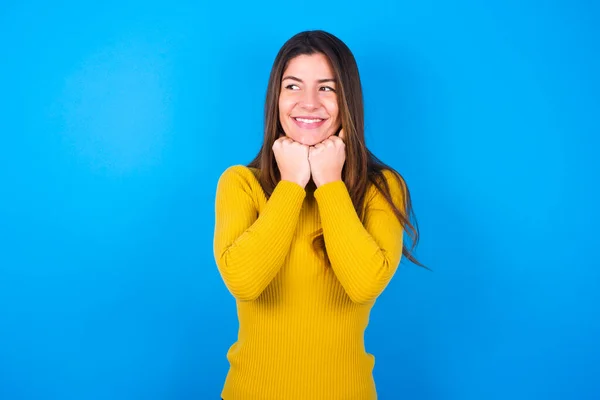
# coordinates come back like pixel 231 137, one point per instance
pixel 301 323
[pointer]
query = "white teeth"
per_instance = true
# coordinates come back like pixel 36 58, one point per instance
pixel 308 121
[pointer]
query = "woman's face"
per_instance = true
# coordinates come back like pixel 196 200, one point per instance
pixel 308 107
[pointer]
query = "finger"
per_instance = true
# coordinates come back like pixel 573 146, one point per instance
pixel 342 135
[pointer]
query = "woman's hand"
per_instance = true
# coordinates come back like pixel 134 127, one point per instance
pixel 327 159
pixel 292 160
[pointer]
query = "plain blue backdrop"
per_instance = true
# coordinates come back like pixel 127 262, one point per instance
pixel 117 119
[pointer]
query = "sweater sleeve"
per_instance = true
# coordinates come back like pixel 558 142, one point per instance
pixel 249 248
pixel 363 257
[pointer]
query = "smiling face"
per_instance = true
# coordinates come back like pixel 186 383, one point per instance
pixel 308 106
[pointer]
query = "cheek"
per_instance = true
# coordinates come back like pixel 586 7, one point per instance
pixel 332 109
pixel 285 106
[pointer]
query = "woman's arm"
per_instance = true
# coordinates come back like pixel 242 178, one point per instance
pixel 249 248
pixel 363 257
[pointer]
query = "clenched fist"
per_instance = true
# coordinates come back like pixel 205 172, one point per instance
pixel 292 160
pixel 327 159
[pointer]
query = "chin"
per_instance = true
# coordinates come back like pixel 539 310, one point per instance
pixel 308 140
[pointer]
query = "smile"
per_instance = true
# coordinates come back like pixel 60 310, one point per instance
pixel 308 123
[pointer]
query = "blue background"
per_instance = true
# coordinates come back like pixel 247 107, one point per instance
pixel 117 120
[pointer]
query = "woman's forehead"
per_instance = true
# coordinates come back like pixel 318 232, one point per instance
pixel 314 67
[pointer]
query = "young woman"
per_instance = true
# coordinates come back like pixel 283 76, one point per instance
pixel 309 234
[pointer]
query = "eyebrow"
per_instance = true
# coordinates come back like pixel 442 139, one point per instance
pixel 300 80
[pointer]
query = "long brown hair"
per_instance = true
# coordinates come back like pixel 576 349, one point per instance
pixel 361 167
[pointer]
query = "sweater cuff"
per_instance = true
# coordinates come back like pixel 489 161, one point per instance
pixel 334 199
pixel 291 191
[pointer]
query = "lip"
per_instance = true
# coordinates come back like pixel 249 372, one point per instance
pixel 305 125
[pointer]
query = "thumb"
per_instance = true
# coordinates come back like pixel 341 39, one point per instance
pixel 342 135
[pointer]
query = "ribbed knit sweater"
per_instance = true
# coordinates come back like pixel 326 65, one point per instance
pixel 301 321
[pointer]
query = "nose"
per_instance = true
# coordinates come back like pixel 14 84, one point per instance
pixel 309 100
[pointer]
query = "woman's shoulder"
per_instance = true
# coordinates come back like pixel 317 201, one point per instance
pixel 240 174
pixel 392 178
pixel 241 169
pixel 390 175
pixel 394 181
